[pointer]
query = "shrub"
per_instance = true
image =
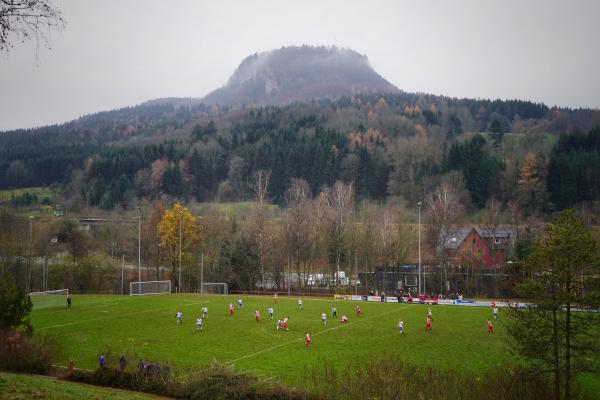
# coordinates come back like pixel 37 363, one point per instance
pixel 214 382
pixel 384 378
pixel 23 353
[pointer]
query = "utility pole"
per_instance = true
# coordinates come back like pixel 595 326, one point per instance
pixel 179 279
pixel 30 245
pixel 122 273
pixel 139 209
pixel 202 272
pixel 419 272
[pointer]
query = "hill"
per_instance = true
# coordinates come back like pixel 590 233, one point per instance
pixel 299 74
pixel 333 118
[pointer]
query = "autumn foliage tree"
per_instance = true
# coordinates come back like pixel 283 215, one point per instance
pixel 177 226
pixel 531 185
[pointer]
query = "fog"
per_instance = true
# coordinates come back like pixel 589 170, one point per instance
pixel 116 53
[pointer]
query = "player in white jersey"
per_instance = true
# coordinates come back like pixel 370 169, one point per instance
pixel 401 327
pixel 429 314
pixel 300 305
pixel 179 317
pixel 270 312
pixel 240 303
pixel 324 319
pixel 495 310
pixel 279 324
pixel 199 324
pixel 205 312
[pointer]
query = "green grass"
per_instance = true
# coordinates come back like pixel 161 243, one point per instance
pixel 146 325
pixel 40 191
pixel 17 387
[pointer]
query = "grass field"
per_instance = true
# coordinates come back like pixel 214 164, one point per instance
pixel 146 325
pixel 24 387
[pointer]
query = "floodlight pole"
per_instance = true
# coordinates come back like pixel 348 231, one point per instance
pixel 179 279
pixel 122 274
pixel 139 209
pixel 419 234
pixel 30 245
pixel 202 272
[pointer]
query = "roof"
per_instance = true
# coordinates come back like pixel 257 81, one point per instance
pixel 453 237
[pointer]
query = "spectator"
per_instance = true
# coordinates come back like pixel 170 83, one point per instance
pixel 122 362
pixel 102 360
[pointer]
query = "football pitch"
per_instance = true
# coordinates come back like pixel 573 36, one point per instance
pixel 146 326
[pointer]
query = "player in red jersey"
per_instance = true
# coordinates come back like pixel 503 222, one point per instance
pixel 358 311
pixel 257 315
pixel 490 327
pixel 284 324
pixel 428 324
pixel 344 319
pixel 307 339
pixel 231 309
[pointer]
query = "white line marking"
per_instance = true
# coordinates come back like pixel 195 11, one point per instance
pixel 359 319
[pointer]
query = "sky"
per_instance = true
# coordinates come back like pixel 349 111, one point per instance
pixel 117 53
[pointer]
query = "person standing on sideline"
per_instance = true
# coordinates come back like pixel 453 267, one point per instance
pixel 102 360
pixel 68 301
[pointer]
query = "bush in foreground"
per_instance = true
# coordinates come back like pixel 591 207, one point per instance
pixel 214 382
pixel 382 378
pixel 23 353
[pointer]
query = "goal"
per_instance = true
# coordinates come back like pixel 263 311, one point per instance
pixel 215 288
pixel 49 298
pixel 149 287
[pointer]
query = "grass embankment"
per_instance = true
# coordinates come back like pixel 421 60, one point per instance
pixel 17 387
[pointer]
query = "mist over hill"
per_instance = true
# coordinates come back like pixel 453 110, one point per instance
pixel 297 74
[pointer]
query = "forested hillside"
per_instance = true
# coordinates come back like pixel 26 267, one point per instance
pixel 387 145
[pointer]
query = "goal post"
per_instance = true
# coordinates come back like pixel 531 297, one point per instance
pixel 49 298
pixel 214 288
pixel 149 287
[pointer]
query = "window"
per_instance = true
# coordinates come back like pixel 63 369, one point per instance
pixel 496 240
pixel 474 241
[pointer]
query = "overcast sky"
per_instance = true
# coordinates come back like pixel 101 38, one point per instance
pixel 116 53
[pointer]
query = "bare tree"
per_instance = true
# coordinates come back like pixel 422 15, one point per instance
pixel 386 232
pixel 298 197
pixel 340 198
pixel 27 19
pixel 491 222
pixel 443 208
pixel 260 185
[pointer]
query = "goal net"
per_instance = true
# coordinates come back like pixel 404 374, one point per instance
pixel 49 298
pixel 215 288
pixel 149 287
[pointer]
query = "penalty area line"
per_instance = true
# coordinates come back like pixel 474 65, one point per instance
pixel 112 317
pixel 316 334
